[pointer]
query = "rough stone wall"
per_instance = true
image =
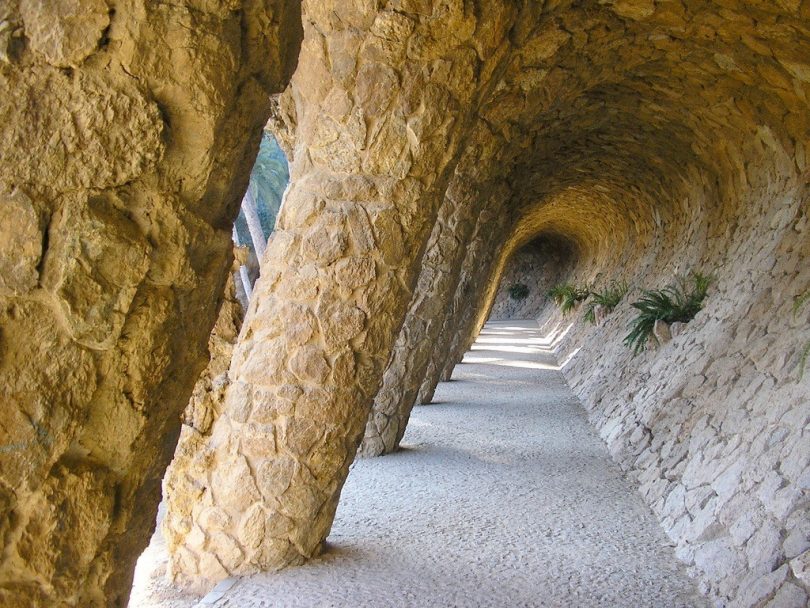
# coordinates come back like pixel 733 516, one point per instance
pixel 539 266
pixel 714 423
pixel 125 146
pixel 384 99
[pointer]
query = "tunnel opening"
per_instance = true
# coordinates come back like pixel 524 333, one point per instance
pixel 537 266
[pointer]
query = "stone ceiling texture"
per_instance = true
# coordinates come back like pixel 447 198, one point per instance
pixel 429 141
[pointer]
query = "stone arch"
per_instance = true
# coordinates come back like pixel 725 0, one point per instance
pixel 635 117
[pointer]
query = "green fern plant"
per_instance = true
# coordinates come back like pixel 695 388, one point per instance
pixel 519 291
pixel 609 299
pixel 567 296
pixel 679 302
pixel 805 354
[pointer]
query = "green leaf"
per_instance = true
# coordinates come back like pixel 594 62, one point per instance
pixel 677 302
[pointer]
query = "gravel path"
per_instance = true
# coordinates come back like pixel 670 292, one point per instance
pixel 502 496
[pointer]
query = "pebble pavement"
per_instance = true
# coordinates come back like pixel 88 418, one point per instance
pixel 502 496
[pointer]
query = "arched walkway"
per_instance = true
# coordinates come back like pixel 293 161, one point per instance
pixel 501 496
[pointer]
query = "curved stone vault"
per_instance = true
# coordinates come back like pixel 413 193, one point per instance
pixel 429 142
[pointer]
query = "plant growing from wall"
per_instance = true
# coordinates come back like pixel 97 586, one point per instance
pixel 608 299
pixel 805 354
pixel 678 302
pixel 567 296
pixel 519 291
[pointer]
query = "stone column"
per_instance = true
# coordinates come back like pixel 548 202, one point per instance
pixel 378 137
pixel 477 309
pixel 459 319
pixel 438 279
pixel 125 146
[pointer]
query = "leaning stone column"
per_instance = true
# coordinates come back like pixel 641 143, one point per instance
pixel 459 318
pixel 378 136
pixel 441 266
pixel 126 141
pixel 476 313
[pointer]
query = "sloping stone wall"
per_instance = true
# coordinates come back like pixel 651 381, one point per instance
pixel 714 423
pixel 659 137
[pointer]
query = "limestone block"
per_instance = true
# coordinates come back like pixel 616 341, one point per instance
pixel 252 526
pixel 354 272
pixel 274 476
pixel 236 489
pixel 764 548
pixel 20 243
pixel 662 332
pixel 65 33
pixel 800 566
pixel 310 365
pixel 98 257
pixel 341 323
pixel 717 559
pixel 634 9
pixel 788 596
pixel 757 588
pixel 376 84
pixel 676 328
pixel 57 128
